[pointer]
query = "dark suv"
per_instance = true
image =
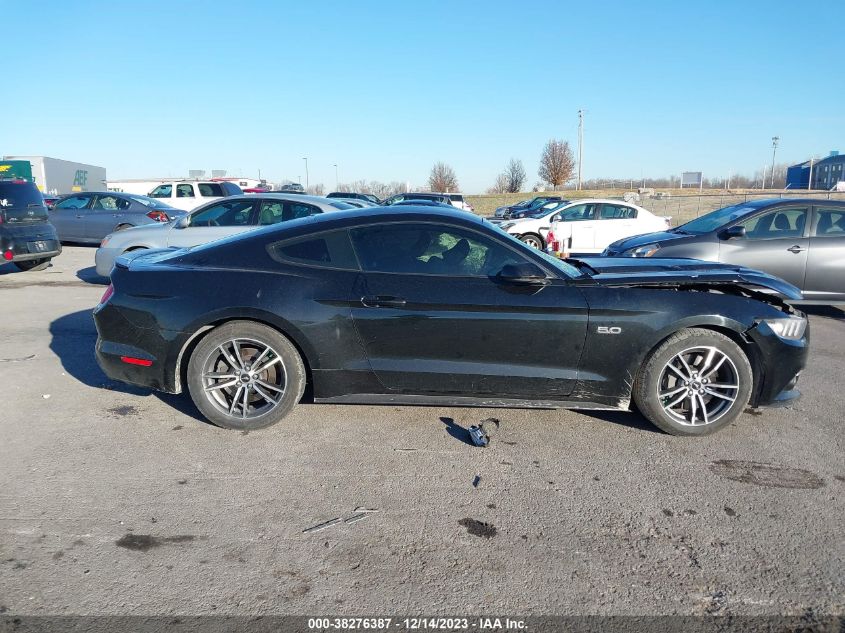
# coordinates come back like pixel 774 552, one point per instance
pixel 26 236
pixel 354 196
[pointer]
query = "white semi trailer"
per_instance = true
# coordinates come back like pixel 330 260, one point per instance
pixel 55 176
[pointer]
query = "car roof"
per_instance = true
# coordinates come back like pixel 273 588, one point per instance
pixel 768 202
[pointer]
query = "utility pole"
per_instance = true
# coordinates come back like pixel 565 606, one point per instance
pixel 305 158
pixel 580 144
pixel 810 181
pixel 775 140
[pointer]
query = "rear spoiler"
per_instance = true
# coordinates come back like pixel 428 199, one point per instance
pixel 124 261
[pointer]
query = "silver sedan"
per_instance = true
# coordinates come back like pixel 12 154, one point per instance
pixel 89 216
pixel 213 221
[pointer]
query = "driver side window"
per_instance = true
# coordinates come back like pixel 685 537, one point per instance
pixel 231 213
pixel 430 250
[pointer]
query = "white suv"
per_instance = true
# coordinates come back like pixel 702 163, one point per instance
pixel 457 200
pixel 189 194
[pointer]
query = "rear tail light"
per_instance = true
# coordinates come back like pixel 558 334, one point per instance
pixel 158 216
pixel 107 294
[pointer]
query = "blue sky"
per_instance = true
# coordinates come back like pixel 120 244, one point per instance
pixel 385 89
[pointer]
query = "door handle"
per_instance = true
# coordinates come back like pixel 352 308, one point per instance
pixel 795 249
pixel 383 301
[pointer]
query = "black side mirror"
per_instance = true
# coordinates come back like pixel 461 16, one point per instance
pixel 732 232
pixel 526 274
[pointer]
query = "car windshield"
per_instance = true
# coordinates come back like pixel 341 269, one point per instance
pixel 714 220
pixel 152 203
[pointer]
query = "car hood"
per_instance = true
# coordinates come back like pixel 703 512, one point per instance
pixel 652 272
pixel 647 238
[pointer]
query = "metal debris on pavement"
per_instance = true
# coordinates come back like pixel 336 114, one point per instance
pixel 321 526
pixel 478 436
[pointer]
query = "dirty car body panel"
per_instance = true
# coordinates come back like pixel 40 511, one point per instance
pixel 572 336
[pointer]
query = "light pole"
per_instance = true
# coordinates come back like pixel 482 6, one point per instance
pixel 336 179
pixel 305 158
pixel 775 140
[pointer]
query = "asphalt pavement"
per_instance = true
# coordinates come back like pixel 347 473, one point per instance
pixel 118 500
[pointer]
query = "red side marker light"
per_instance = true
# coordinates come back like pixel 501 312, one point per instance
pixel 143 362
pixel 107 294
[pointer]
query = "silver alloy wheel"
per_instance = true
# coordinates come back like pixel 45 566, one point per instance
pixel 698 386
pixel 244 378
pixel 532 241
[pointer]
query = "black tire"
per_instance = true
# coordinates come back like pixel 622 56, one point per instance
pixel 253 335
pixel 28 265
pixel 533 240
pixel 693 347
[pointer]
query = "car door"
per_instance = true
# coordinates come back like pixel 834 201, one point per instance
pixel 107 212
pixel 775 242
pixel 68 217
pixel 219 220
pixel 825 277
pixel 615 222
pixel 434 318
pixel 580 224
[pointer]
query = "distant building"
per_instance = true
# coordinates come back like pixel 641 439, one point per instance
pixel 825 173
pixel 829 171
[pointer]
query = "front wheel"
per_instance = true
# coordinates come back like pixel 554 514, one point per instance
pixel 694 383
pixel 245 375
pixel 34 264
pixel 533 240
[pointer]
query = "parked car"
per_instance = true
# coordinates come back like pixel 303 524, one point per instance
pixel 536 212
pixel 799 240
pixel 588 226
pixel 435 307
pixel 457 200
pixel 422 203
pixel 88 217
pixel 432 197
pixel 358 196
pixel 533 203
pixel 189 194
pixel 358 203
pixel 213 221
pixel 26 236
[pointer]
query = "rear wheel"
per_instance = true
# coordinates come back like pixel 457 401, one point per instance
pixel 694 383
pixel 34 264
pixel 245 375
pixel 533 240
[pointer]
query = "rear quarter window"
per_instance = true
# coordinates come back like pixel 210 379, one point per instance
pixel 326 250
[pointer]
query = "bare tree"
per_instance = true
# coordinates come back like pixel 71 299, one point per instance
pixel 556 163
pixel 515 176
pixel 500 186
pixel 442 178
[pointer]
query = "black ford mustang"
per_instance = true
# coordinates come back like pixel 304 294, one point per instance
pixel 430 306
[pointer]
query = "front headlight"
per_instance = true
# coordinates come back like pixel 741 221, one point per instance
pixel 791 329
pixel 647 250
